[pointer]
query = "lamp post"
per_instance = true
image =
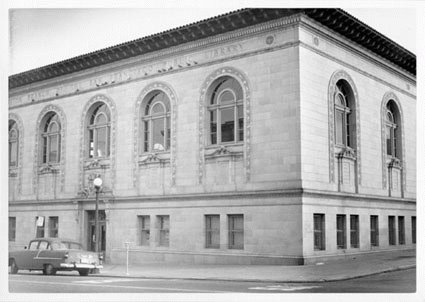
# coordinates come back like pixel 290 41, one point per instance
pixel 97 182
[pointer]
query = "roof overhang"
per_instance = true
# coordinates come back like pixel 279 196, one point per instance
pixel 335 19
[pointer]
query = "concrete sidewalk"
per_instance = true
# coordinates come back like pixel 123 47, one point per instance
pixel 329 271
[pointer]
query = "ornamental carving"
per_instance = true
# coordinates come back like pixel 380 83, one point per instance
pixel 222 151
pixel 336 76
pixel 17 172
pixel 387 97
pixel 241 78
pixel 94 163
pixel 45 169
pixel 152 157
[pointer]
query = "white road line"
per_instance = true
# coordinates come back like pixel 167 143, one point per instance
pixel 283 287
pixel 120 286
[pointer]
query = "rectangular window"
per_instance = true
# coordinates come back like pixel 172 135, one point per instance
pixel 401 236
pixel 227 124
pixel 388 131
pixel 339 127
pixel 39 221
pixel 146 137
pixel 319 231
pixel 101 142
pixel 91 144
pixel 240 122
pixel 349 128
pixel 213 126
pixel 12 228
pixel 212 231
pixel 53 226
pixel 391 230
pixel 145 230
pixel 374 230
pixel 168 145
pixel 53 149
pixel 341 239
pixel 44 155
pixel 354 231
pixel 236 237
pixel 413 229
pixel 158 135
pixel 13 152
pixel 164 230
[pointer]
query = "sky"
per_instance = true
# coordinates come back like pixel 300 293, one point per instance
pixel 42 36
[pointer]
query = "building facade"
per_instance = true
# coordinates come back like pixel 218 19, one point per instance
pixel 262 136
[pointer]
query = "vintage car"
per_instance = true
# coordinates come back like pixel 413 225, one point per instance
pixel 53 254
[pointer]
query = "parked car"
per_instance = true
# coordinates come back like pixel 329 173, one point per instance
pixel 53 254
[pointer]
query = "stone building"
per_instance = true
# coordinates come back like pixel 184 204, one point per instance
pixel 272 136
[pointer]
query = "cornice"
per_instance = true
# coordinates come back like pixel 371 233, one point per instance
pixel 336 38
pixel 237 195
pixel 335 19
pixel 158 56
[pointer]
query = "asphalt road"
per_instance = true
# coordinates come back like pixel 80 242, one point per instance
pixel 394 282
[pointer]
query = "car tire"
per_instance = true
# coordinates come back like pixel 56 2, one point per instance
pixel 49 270
pixel 84 272
pixel 13 267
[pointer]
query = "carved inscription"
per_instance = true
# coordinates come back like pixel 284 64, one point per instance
pixel 223 51
pixel 132 73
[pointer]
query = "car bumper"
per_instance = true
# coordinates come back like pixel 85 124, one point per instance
pixel 80 265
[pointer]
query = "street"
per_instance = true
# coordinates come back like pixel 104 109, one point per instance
pixel 70 282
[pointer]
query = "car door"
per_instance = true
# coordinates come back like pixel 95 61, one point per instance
pixel 42 255
pixel 26 259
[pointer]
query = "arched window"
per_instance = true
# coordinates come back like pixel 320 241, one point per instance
pixel 99 131
pixel 344 119
pixel 392 129
pixel 156 122
pixel 13 144
pixel 51 140
pixel 225 111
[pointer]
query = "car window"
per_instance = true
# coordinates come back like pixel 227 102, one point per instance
pixel 44 245
pixel 73 245
pixel 59 246
pixel 33 245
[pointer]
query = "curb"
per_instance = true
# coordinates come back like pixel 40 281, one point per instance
pixel 321 280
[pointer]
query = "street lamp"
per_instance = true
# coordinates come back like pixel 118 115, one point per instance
pixel 97 182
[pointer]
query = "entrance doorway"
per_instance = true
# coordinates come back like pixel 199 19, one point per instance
pixel 91 244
